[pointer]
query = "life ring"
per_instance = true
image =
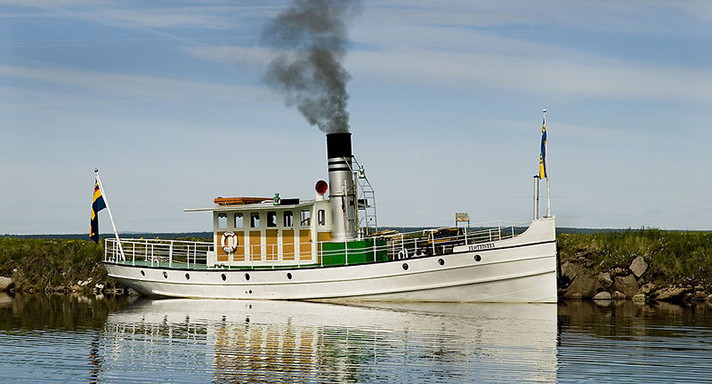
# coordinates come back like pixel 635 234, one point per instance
pixel 228 242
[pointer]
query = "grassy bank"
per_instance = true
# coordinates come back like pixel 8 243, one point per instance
pixel 52 264
pixel 674 258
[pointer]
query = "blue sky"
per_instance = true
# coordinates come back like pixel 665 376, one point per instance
pixel 166 99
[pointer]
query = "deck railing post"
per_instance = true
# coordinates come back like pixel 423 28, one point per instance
pixel 374 249
pixel 346 252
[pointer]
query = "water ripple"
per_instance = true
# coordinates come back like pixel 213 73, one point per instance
pixel 188 341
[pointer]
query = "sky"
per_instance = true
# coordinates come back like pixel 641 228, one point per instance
pixel 167 100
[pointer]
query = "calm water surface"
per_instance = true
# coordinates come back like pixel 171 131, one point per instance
pixel 78 339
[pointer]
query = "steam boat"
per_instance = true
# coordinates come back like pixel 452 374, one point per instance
pixel 329 248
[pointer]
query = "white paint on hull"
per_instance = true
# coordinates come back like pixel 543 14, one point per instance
pixel 521 269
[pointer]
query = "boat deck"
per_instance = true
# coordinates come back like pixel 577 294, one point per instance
pixel 387 245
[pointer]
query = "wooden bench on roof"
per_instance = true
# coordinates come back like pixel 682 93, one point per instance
pixel 240 200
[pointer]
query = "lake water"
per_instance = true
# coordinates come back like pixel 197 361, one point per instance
pixel 77 339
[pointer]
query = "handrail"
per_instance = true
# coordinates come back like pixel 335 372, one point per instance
pixel 194 254
pixel 158 252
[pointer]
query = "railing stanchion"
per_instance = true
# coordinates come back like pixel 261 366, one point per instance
pixel 346 252
pixel 374 250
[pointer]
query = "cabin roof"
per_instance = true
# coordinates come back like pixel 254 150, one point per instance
pixel 261 206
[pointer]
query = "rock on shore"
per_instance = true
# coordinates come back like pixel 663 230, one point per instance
pixel 6 283
pixel 621 284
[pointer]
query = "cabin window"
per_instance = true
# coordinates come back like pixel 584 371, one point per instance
pixel 271 219
pixel 288 219
pixel 321 216
pixel 305 218
pixel 255 219
pixel 238 220
pixel 222 220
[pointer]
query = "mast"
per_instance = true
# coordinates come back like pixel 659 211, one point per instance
pixel 111 217
pixel 536 197
pixel 546 164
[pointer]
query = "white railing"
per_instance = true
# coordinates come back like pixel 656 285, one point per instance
pixel 431 242
pixel 157 252
pixel 394 245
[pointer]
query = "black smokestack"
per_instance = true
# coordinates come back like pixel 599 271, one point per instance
pixel 342 195
pixel 339 145
pixel 311 39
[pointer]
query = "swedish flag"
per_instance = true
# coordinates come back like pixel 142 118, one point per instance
pixel 97 205
pixel 543 173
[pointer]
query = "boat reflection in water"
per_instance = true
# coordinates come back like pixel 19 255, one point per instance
pixel 277 341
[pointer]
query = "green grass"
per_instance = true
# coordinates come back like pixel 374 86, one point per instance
pixel 41 263
pixel 673 257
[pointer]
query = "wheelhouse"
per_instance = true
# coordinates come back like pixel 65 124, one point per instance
pixel 269 232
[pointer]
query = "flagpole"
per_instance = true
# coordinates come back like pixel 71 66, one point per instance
pixel 111 217
pixel 548 191
pixel 536 197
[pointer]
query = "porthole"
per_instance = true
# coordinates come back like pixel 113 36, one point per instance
pixel 223 277
pixel 250 291
pixel 405 266
pixel 247 276
pixel 478 258
pixel 187 276
pixel 165 275
pixel 441 261
pixel 143 273
pixel 289 275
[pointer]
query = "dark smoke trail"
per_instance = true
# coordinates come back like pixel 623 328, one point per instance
pixel 311 38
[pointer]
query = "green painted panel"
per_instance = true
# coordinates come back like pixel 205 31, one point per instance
pixel 358 252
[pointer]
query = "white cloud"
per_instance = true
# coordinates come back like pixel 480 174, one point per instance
pixel 134 86
pixel 644 16
pixel 162 17
pixel 539 74
pixel 52 3
pixel 233 54
pixel 519 67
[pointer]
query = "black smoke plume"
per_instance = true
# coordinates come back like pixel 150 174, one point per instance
pixel 310 38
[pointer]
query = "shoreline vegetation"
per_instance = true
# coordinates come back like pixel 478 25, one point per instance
pixel 644 265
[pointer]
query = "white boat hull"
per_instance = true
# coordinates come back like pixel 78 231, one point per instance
pixel 520 269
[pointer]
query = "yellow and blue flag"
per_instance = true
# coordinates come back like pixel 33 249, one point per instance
pixel 97 205
pixel 543 172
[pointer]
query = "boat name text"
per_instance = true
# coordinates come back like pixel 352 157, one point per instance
pixel 480 247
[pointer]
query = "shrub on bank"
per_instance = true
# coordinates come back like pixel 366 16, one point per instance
pixel 39 264
pixel 673 257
